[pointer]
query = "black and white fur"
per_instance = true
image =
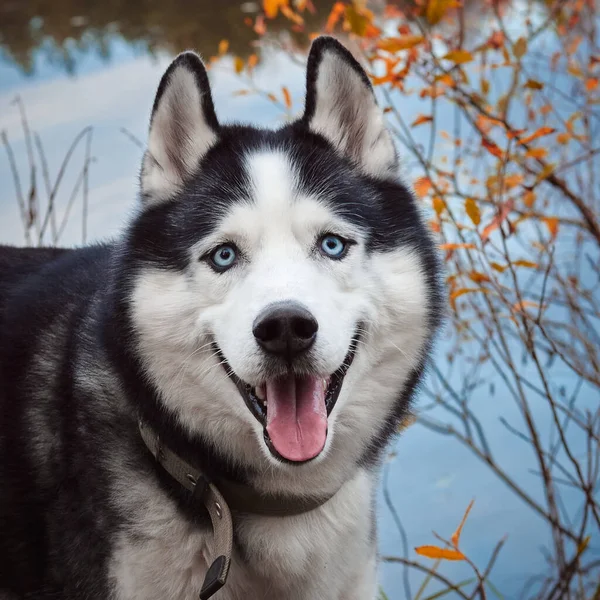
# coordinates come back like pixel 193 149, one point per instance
pixel 92 338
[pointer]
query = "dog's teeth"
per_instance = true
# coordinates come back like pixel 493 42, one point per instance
pixel 259 392
pixel 324 384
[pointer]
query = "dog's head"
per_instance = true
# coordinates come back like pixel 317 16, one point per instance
pixel 283 287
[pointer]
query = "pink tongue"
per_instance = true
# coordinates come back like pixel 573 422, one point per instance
pixel 297 416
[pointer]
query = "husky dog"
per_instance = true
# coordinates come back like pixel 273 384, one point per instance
pixel 259 329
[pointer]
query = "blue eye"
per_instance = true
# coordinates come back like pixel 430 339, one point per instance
pixel 333 246
pixel 223 257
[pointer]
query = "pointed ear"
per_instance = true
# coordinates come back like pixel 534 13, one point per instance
pixel 341 106
pixel 182 129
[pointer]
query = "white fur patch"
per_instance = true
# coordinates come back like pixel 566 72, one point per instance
pixel 326 553
pixel 177 313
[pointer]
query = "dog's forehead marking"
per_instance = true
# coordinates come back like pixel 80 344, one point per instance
pixel 277 204
pixel 274 182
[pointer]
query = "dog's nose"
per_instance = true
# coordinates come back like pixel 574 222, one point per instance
pixel 285 328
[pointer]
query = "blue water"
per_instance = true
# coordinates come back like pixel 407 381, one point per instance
pixel 432 477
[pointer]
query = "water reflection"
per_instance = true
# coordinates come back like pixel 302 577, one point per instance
pixel 64 29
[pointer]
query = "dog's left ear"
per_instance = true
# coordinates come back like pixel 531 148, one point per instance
pixel 341 106
pixel 183 128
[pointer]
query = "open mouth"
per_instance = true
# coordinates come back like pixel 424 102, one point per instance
pixel 293 409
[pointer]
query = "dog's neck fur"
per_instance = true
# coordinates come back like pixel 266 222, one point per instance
pixel 239 497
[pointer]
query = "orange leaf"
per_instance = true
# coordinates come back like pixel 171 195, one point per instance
pixel 272 97
pixel 537 153
pixel 496 40
pixel 563 138
pixel 510 181
pixel 521 306
pixel 436 10
pixel 437 552
pixel 459 57
pixel 260 28
pixel 292 16
pixel 421 119
pixel 271 8
pixel 438 205
pixel 552 225
pixel 525 263
pixel 491 148
pixel 400 43
pixel 542 131
pixel 498 267
pixel 574 44
pixel 591 84
pixel 584 544
pixel 457 246
pixel 461 292
pixel 545 172
pixel 223 46
pixel 446 79
pixel 503 212
pixel 456 535
pixel 359 19
pixel 252 61
pixel 514 133
pixel 520 48
pixel 422 186
pixel 473 211
pixel 286 96
pixel 529 198
pixel 478 277
pixel 433 92
pixel 533 84
pixel 334 16
pixel 238 64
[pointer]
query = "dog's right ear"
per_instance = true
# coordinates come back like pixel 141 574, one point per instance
pixel 182 129
pixel 341 107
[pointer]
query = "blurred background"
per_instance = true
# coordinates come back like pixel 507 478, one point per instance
pixel 494 108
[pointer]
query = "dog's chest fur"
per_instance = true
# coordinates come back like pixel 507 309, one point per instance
pixel 327 553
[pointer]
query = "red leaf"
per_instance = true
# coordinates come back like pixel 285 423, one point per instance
pixel 422 186
pixel 437 552
pixel 503 212
pixel 542 131
pixel 552 225
pixel 455 539
pixel 287 97
pixel 457 246
pixel 421 119
pixel 491 148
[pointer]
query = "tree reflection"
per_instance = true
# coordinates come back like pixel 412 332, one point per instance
pixel 64 29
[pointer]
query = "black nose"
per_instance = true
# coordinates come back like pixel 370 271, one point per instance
pixel 285 328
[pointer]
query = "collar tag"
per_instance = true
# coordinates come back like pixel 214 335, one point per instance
pixel 215 578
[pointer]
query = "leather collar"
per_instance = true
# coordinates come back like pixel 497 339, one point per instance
pixel 221 498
